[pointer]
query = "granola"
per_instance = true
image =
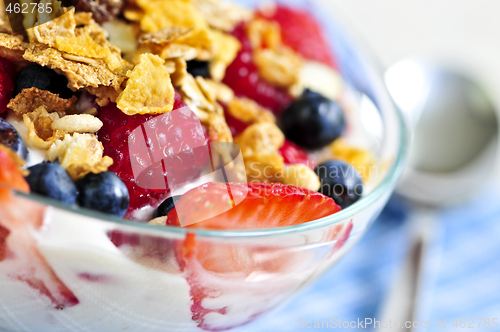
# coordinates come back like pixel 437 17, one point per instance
pixel 80 154
pixel 77 123
pixel 30 99
pixel 248 111
pixel 39 123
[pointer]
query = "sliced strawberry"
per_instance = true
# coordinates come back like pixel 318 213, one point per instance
pixel 301 32
pixel 249 206
pixel 293 154
pixel 18 251
pixel 218 272
pixel 242 76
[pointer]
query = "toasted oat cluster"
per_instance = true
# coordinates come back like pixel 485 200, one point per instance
pixel 147 57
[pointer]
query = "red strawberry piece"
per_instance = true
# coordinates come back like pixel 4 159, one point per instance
pixel 173 133
pixel 249 206
pixel 7 73
pixel 218 272
pixel 242 76
pixel 301 32
pixel 18 250
pixel 293 154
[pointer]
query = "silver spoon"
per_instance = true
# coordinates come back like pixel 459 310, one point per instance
pixel 454 153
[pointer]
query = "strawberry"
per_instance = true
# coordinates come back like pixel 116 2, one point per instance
pixel 301 32
pixel 7 73
pixel 217 272
pixel 242 76
pixel 293 154
pixel 18 251
pixel 175 133
pixel 249 206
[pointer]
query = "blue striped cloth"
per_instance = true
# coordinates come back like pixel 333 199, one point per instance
pixel 461 278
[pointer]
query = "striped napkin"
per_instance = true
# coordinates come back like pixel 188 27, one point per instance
pixel 461 277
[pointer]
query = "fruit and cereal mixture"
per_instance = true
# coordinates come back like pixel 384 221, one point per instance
pixel 76 88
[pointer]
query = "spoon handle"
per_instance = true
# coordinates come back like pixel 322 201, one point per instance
pixel 402 304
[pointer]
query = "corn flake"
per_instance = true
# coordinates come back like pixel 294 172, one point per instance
pixel 248 111
pixel 62 27
pixel 79 74
pixel 262 167
pixel 11 47
pixel 222 92
pixel 226 48
pixel 222 14
pixel 276 63
pixel 149 89
pixel 362 160
pixel 159 15
pixel 40 134
pixel 261 137
pixel 217 128
pixel 30 99
pixel 163 37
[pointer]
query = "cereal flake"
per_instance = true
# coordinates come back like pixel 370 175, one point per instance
pixel 30 99
pixel 149 89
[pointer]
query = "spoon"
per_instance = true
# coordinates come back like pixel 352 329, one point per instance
pixel 454 153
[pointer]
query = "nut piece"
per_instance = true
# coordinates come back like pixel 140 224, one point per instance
pixel 300 175
pixel 78 123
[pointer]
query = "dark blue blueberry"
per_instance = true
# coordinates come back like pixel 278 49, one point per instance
pixel 103 192
pixel 43 78
pixel 198 68
pixel 11 138
pixel 340 181
pixel 166 207
pixel 313 121
pixel 52 180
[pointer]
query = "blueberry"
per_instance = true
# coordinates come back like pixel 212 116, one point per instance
pixel 198 68
pixel 103 192
pixel 340 181
pixel 313 121
pixel 52 180
pixel 43 78
pixel 11 138
pixel 166 207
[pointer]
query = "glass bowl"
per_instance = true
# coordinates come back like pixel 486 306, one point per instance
pixel 63 269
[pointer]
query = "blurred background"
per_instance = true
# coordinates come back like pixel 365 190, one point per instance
pixel 459 280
